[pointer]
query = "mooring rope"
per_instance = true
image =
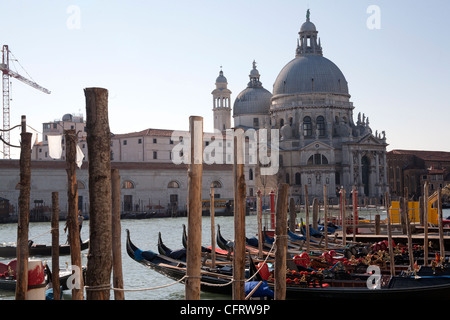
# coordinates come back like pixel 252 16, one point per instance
pixel 107 286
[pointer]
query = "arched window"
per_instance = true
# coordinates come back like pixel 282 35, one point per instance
pixel 317 159
pixel 307 127
pixel 127 184
pixel 320 125
pixel 216 184
pixel 173 184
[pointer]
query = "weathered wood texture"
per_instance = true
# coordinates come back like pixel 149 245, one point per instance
pixel 281 242
pixel 116 236
pixel 239 218
pixel 72 212
pixel 55 246
pixel 99 264
pixel 195 173
pixel 24 216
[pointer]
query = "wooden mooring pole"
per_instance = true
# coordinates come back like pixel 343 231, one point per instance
pixel 212 210
pixel 441 227
pixel 239 217
pixel 425 224
pixel 72 213
pixel 344 218
pixel 24 213
pixel 259 212
pixel 99 263
pixel 116 236
pixel 390 246
pixel 195 173
pixel 325 214
pixel 308 245
pixel 281 242
pixel 408 231
pixel 55 246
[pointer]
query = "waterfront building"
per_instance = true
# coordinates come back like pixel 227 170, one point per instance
pixel 320 143
pixel 410 169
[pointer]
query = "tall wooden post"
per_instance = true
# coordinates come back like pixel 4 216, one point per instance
pixel 355 212
pixel 195 173
pixel 55 246
pixel 425 224
pixel 24 213
pixel 315 215
pixel 441 226
pixel 72 213
pixel 307 219
pixel 239 217
pixel 213 229
pixel 292 215
pixel 281 243
pixel 391 249
pixel 343 217
pixel 259 212
pixel 408 231
pixel 325 214
pixel 116 236
pixel 99 262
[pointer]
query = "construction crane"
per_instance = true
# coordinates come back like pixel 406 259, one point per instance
pixel 4 67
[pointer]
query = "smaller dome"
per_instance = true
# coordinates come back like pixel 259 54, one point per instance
pixel 308 26
pixel 67 117
pixel 252 101
pixel 221 78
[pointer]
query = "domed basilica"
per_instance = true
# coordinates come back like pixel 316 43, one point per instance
pixel 320 143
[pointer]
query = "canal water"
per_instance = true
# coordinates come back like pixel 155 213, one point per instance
pixel 144 234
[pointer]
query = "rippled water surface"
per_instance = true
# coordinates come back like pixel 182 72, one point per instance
pixel 144 234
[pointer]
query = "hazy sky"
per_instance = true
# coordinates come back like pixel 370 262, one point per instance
pixel 159 59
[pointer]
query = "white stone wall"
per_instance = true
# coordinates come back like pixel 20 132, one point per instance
pixel 150 185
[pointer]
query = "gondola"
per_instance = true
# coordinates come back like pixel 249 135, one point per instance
pixel 9 251
pixel 430 285
pixel 175 269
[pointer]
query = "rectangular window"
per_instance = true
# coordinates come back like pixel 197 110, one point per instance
pixel 154 140
pixel 139 141
pixel 255 122
pixel 124 142
pixel 155 155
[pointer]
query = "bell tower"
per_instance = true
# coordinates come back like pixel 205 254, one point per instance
pixel 221 103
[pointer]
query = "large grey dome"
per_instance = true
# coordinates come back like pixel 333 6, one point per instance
pixel 310 73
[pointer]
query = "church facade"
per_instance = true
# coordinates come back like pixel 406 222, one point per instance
pixel 320 143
